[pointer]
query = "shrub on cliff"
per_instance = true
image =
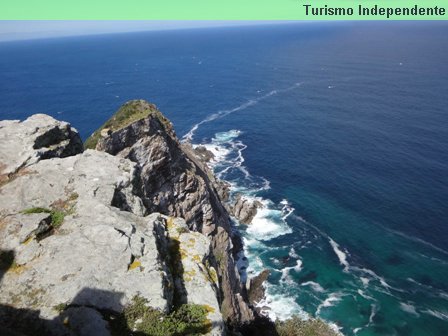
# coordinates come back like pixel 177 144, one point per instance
pixel 295 326
pixel 128 113
pixel 188 319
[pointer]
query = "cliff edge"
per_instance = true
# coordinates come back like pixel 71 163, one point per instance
pixel 105 240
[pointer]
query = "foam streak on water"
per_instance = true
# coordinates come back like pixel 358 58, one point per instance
pixel 221 114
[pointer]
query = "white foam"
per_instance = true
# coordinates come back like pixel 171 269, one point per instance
pixel 341 255
pixel 375 276
pixel 330 301
pixel 292 253
pixel 418 240
pixel 280 307
pixel 438 314
pixel 287 209
pixel 242 264
pixel 365 281
pixel 268 223
pixel 315 286
pixel 285 272
pixel 372 313
pixel 335 328
pixel 220 153
pixel 409 308
pixel 223 113
pixel 364 295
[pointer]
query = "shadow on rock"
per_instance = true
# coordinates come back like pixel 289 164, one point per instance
pixel 92 312
pixel 6 261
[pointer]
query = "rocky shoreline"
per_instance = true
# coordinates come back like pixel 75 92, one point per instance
pixel 137 214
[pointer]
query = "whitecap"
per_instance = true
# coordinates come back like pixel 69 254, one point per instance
pixel 268 223
pixel 375 276
pixel 223 113
pixel 372 313
pixel 438 314
pixel 330 301
pixel 285 272
pixel 281 307
pixel 364 281
pixel 314 285
pixel 409 308
pixel 341 255
pixel 364 295
pixel 292 253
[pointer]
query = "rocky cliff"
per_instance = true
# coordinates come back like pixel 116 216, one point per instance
pixel 138 217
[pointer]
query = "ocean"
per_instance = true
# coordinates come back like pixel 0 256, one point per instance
pixel 339 129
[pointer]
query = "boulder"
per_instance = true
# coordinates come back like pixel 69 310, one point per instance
pixel 245 209
pixel 37 138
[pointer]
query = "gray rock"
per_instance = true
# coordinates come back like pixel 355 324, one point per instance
pixel 88 231
pixel 175 182
pixel 204 154
pixel 256 289
pixel 37 138
pixel 97 252
pixel 196 280
pixel 245 209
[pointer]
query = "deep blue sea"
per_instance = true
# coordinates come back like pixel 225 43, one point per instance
pixel 339 129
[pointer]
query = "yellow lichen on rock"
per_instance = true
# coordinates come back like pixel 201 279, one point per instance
pixel 136 263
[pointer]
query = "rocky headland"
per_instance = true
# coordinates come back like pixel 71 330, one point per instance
pixel 124 235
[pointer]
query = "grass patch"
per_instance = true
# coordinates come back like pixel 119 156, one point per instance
pixel 57 211
pixel 36 210
pixel 295 326
pixel 139 317
pixel 128 113
pixel 57 216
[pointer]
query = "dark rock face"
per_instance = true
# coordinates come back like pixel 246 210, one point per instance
pixel 204 153
pixel 245 210
pixel 256 290
pixel 175 182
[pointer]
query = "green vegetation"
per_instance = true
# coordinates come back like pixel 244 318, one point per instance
pixel 127 114
pixel 60 307
pixel 138 317
pixel 58 210
pixel 36 210
pixel 295 326
pixel 181 230
pixel 57 216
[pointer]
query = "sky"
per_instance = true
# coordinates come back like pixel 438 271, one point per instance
pixel 25 30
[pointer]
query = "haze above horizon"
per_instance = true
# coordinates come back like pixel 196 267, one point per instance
pixel 29 30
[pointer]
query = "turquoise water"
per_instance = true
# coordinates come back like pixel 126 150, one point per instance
pixel 339 129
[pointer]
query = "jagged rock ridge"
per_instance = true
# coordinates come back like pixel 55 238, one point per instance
pixel 173 181
pixel 89 231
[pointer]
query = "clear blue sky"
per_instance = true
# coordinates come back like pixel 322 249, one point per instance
pixel 22 30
